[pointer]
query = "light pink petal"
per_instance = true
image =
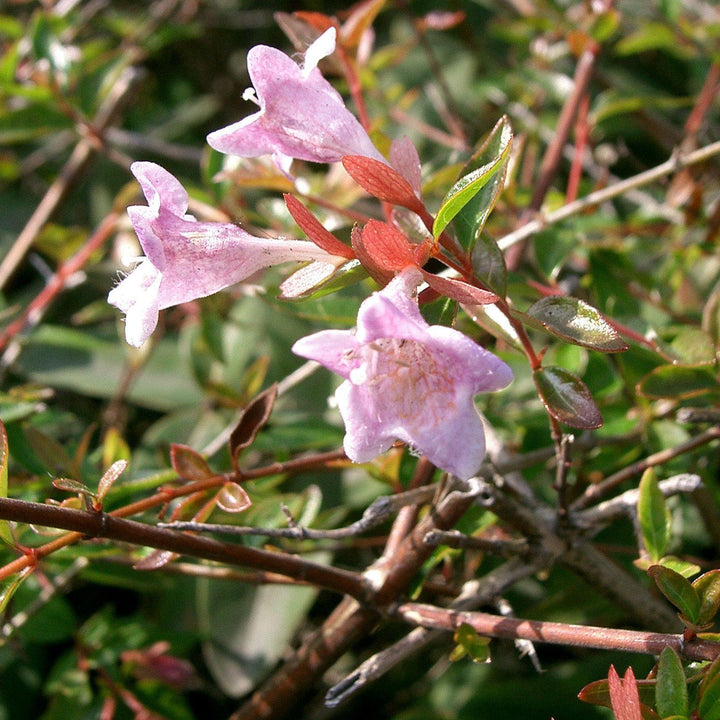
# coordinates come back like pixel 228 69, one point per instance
pixel 161 189
pixel 366 436
pixel 137 297
pixel 456 445
pixel 301 115
pixel 405 159
pixel 335 349
pixel 480 369
pixel 145 221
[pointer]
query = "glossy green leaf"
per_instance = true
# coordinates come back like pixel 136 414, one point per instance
pixel 577 322
pixel 5 534
pixel 678 591
pixel 654 516
pixel 678 381
pixel 470 216
pixel 598 693
pixel 488 265
pixel 708 588
pixel 567 398
pixel 671 694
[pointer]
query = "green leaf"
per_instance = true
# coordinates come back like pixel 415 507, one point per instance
pixel 708 588
pixel 5 534
pixel 709 702
pixel 693 346
pixel 469 643
pixel 651 36
pixel 678 591
pixel 577 322
pixel 654 516
pixel 677 381
pixel 567 398
pixel 488 171
pixel 671 694
pixel 489 264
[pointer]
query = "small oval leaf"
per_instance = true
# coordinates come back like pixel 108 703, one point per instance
pixel 189 464
pixel 654 516
pixel 671 694
pixel 577 322
pixel 255 415
pixel 708 588
pixel 232 498
pixel 73 486
pixel 678 591
pixel 567 398
pixel 110 476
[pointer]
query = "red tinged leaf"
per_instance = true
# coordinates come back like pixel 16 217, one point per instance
pixel 382 182
pixel 459 290
pixel 381 275
pixel 624 695
pixel 233 498
pixel 441 20
pixel 189 464
pixel 310 225
pixel 387 248
pixel 256 414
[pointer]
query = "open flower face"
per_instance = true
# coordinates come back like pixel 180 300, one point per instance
pixel 301 115
pixel 186 259
pixel 407 380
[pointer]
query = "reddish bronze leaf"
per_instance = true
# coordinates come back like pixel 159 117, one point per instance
pixel 311 226
pixel 256 414
pixel 382 182
pixel 459 290
pixel 189 464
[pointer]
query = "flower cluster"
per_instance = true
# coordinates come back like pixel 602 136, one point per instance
pixel 404 380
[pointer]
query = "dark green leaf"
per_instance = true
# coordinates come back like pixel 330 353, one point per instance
pixel 654 516
pixel 567 398
pixel 678 591
pixel 677 381
pixel 671 695
pixel 485 170
pixel 709 702
pixel 577 322
pixel 489 265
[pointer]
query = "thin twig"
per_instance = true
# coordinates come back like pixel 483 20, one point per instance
pixel 674 163
pixel 75 165
pixel 583 636
pixel 376 513
pixel 604 486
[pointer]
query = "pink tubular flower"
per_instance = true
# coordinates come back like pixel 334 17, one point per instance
pixel 186 259
pixel 407 380
pixel 301 115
